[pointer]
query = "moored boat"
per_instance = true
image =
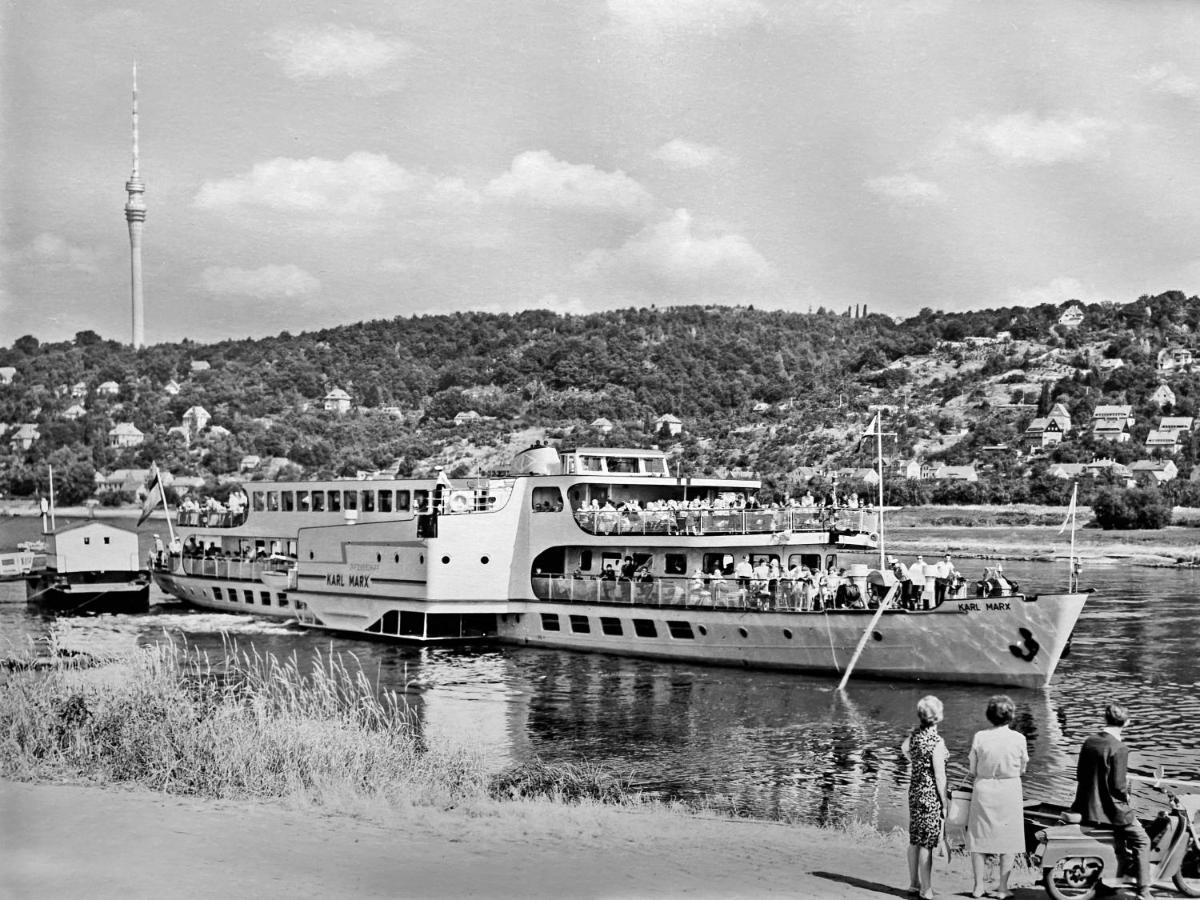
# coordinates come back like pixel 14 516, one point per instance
pixel 91 567
pixel 604 550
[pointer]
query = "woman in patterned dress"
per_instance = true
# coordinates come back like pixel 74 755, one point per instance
pixel 927 798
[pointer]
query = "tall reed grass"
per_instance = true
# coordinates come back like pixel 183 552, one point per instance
pixel 252 726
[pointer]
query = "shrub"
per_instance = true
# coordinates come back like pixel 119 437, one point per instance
pixel 564 782
pixel 1130 508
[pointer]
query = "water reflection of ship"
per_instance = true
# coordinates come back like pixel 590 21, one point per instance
pixel 753 743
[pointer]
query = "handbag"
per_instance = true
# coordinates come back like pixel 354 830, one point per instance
pixel 960 807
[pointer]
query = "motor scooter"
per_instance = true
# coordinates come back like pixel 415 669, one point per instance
pixel 1074 858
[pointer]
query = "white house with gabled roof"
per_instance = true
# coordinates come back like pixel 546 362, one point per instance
pixel 125 434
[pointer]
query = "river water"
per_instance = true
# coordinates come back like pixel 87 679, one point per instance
pixel 756 743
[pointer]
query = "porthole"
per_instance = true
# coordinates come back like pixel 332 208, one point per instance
pixel 743 632
pixel 484 560
pixel 877 635
pixel 702 629
pixel 445 560
pixel 787 633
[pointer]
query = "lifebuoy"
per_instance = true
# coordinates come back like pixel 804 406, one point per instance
pixel 459 502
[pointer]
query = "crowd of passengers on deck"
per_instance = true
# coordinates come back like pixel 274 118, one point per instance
pixel 212 512
pixel 722 512
pixel 764 585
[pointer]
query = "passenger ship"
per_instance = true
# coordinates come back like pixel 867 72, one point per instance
pixel 522 558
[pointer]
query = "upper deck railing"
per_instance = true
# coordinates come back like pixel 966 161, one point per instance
pixel 722 521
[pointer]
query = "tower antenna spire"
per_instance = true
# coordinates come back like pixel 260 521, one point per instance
pixel 135 217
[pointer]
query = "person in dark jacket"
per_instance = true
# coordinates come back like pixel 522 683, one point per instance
pixel 1102 797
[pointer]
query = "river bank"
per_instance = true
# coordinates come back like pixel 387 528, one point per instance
pixel 75 840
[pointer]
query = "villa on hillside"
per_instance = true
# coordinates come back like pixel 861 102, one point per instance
pixel 1072 316
pixel 1049 429
pixel 1173 359
pixel 23 436
pixel 603 425
pixel 107 389
pixel 1167 441
pixel 673 424
pixel 337 401
pixel 1163 396
pixel 7 373
pixel 74 411
pixel 1110 422
pixel 1176 423
pixel 1154 471
pixel 195 419
pixel 466 417
pixel 956 473
pixel 172 387
pixel 125 434
pixel 200 365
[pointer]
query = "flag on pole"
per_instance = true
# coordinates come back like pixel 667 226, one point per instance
pixel 442 480
pixel 1070 511
pixel 154 494
pixel 872 429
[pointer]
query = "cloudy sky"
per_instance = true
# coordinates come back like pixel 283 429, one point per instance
pixel 308 164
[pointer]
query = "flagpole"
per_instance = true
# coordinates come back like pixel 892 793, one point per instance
pixel 879 462
pixel 1071 583
pixel 53 524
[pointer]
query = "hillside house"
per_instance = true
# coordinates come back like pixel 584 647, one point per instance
pixel 1068 471
pixel 673 424
pixel 78 390
pixel 337 401
pixel 762 407
pixel 125 434
pixel 249 463
pixel 73 412
pixel 603 425
pixel 467 417
pixel 858 475
pixel 1049 429
pixel 181 432
pixel 199 365
pixel 1154 471
pixel 128 481
pixel 1111 365
pixel 909 469
pixel 1114 471
pixel 1110 422
pixel 195 419
pixel 7 374
pixel 1167 441
pixel 172 388
pixel 1072 316
pixel 1174 359
pixel 1163 396
pixel 956 473
pixel 107 389
pixel 1180 424
pixel 23 436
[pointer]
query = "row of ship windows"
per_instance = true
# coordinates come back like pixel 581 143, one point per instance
pixel 264 597
pixel 384 501
pixel 645 628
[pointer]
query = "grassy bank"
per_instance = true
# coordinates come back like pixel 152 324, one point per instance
pixel 169 720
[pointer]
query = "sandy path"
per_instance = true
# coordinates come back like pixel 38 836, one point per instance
pixel 69 841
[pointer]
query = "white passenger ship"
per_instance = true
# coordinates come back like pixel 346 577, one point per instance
pixel 533 557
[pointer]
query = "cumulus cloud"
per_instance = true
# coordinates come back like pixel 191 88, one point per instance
pixel 1168 79
pixel 1057 290
pixel 1025 139
pixel 536 178
pixel 681 154
pixel 906 189
pixel 654 18
pixel 262 283
pixel 331 51
pixel 677 255
pixel 55 252
pixel 360 187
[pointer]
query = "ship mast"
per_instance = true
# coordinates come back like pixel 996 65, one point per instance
pixel 135 216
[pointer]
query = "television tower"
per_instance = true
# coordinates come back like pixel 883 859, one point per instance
pixel 135 216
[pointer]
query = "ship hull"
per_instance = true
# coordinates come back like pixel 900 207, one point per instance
pixel 1012 640
pixel 227 595
pixel 1004 641
pixel 85 593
